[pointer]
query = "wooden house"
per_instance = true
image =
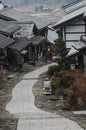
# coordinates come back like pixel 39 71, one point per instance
pixel 78 53
pixel 4 43
pixel 30 29
pixel 30 49
pixel 73 24
pixel 12 14
pixel 8 28
pixel 19 50
pixel 71 27
pixel 38 38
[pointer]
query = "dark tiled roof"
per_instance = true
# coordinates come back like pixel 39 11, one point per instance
pixel 20 44
pixel 8 28
pixel 5 41
pixel 37 40
pixel 14 14
pixel 27 29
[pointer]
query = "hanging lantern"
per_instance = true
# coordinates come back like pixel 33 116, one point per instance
pixel 49 49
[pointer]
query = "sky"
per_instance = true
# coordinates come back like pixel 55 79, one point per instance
pixel 17 3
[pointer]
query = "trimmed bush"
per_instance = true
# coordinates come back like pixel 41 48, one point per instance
pixel 66 79
pixel 52 69
pixel 54 85
pixel 76 94
pixel 79 89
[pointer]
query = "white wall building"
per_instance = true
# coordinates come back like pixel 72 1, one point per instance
pixel 73 24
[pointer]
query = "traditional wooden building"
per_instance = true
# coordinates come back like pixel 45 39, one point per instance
pixel 4 43
pixel 8 28
pixel 72 27
pixel 78 53
pixel 29 33
pixel 19 49
pixel 73 24
pixel 30 49
pixel 12 14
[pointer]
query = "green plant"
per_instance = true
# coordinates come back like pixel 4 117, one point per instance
pixel 60 47
pixel 64 73
pixel 73 102
pixel 52 69
pixel 76 94
pixel 54 85
pixel 79 88
pixel 64 64
pixel 68 92
pixel 66 79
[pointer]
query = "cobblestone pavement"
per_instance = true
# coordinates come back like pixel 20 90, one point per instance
pixel 30 117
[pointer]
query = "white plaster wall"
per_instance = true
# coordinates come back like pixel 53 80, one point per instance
pixel 73 36
pixel 69 44
pixel 75 28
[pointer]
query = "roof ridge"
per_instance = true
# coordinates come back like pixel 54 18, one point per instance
pixel 75 9
pixel 72 3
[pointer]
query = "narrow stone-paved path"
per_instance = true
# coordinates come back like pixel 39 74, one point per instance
pixel 30 117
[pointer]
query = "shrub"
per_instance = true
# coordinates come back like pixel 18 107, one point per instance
pixel 64 64
pixel 63 80
pixel 73 102
pixel 68 92
pixel 79 88
pixel 52 70
pixel 71 99
pixel 66 79
pixel 54 85
pixel 64 73
pixel 76 94
pixel 60 47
